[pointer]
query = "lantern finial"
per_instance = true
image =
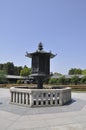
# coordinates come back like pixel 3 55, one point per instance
pixel 40 46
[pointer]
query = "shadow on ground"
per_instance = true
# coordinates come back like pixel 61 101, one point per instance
pixel 74 105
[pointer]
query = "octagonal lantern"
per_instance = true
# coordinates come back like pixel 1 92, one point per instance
pixel 40 64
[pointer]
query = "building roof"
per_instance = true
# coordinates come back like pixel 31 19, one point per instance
pixel 66 76
pixel 15 77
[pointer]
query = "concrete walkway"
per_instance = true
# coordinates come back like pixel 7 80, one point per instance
pixel 68 117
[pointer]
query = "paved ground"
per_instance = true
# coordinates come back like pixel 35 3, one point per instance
pixel 69 117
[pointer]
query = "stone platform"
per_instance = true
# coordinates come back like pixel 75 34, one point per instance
pixel 68 117
pixel 40 97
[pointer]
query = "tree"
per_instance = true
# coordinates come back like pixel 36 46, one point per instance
pixel 83 80
pixel 52 81
pixel 25 71
pixel 17 70
pixel 2 77
pixel 62 80
pixel 75 80
pixel 67 81
pixel 84 72
pixel 9 68
pixel 1 66
pixel 74 71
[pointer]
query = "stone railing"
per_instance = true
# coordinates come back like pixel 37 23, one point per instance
pixel 40 97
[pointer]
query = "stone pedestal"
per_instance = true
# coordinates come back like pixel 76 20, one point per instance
pixel 40 97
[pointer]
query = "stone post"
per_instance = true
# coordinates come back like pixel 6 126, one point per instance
pixel 61 98
pixel 20 94
pixel 11 96
pixel 27 99
pixel 31 99
pixel 16 97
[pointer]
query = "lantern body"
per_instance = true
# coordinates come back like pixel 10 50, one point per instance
pixel 41 64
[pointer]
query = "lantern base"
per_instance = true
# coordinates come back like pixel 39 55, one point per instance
pixel 40 97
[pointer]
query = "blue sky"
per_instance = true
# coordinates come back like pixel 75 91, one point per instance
pixel 59 24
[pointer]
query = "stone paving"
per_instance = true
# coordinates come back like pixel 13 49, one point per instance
pixel 68 117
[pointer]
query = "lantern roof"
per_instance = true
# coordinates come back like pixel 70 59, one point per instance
pixel 39 51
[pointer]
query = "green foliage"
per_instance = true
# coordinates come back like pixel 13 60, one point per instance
pixel 25 71
pixel 74 71
pixel 10 69
pixel 83 80
pixel 2 77
pixel 46 81
pixel 17 70
pixel 67 81
pixel 53 81
pixel 75 80
pixel 62 80
pixel 20 81
pixel 1 66
pixel 84 72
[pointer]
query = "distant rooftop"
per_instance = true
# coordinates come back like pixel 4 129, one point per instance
pixel 66 76
pixel 15 77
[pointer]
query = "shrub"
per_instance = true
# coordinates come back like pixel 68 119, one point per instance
pixel 62 80
pixel 53 81
pixel 20 81
pixel 83 80
pixel 75 80
pixel 2 77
